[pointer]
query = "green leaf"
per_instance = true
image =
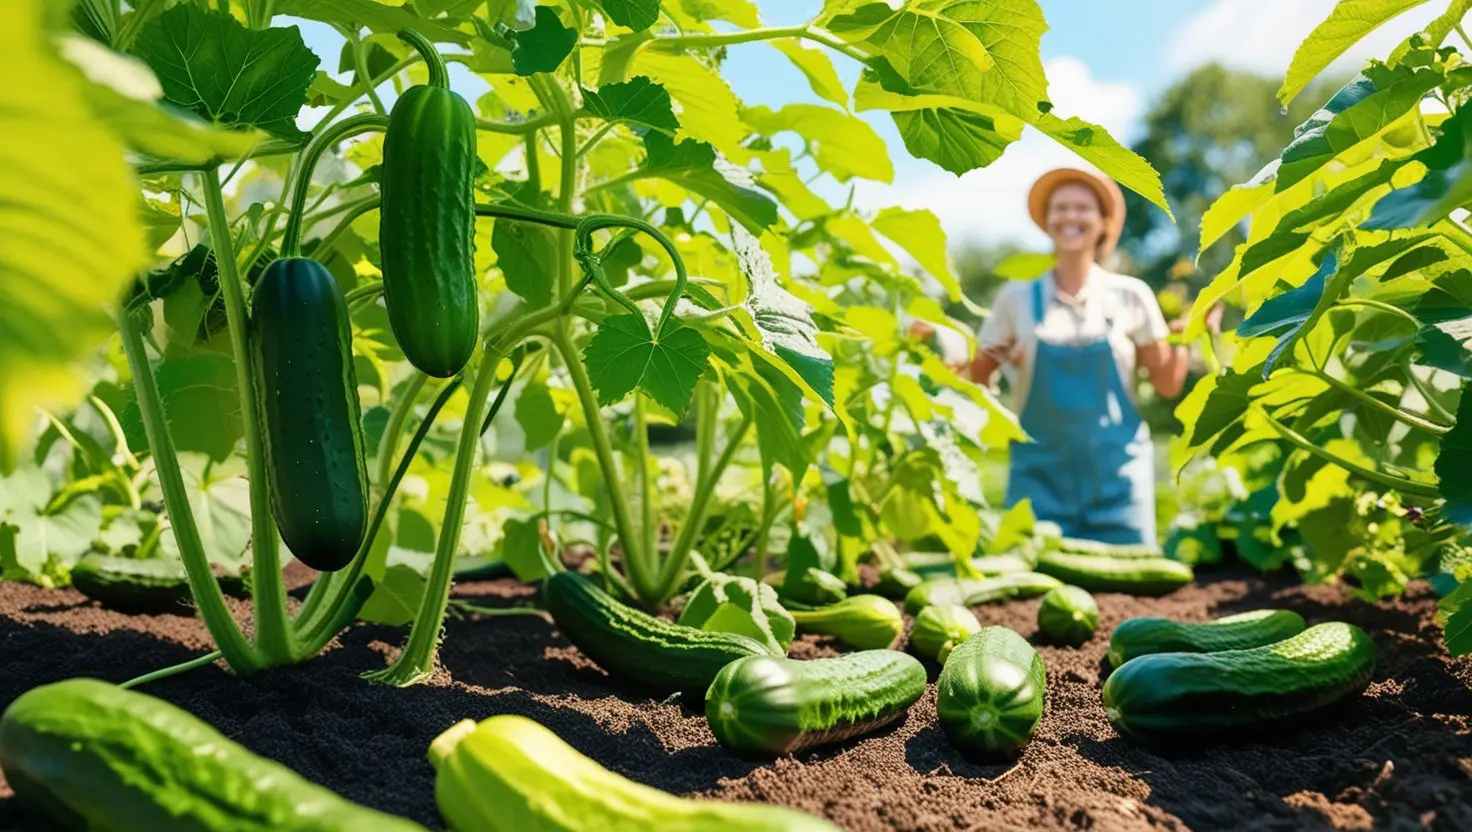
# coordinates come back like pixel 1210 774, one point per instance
pixel 1024 266
pixel 69 214
pixel 1452 463
pixel 623 354
pixel 1014 529
pixel 396 596
pixel 637 101
pixel 228 74
pixel 1444 346
pixel 775 404
pixel 919 232
pixel 693 166
pixel 373 14
pixel 957 134
pixel 1094 144
pixel 729 604
pixel 740 12
pixel 526 253
pixel 1458 626
pixel 543 47
pixel 219 498
pixel 538 414
pixel 781 322
pixel 708 109
pixel 934 50
pixel 1230 208
pixel 1346 25
pixel 40 540
pixel 842 145
pixel 817 67
pixel 1435 32
pixel 635 14
pixel 200 402
pixel 520 548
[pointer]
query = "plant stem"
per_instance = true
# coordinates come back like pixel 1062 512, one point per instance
pixel 1381 306
pixel 513 211
pixel 669 574
pixel 302 176
pixel 1428 394
pixel 360 70
pixel 396 419
pixel 273 628
pixel 439 74
pixel 238 653
pixel 1401 484
pixel 1463 34
pixel 1388 409
pixel 330 238
pixel 526 127
pixel 646 476
pixel 172 670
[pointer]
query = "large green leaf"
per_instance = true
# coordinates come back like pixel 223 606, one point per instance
pixel 538 414
pixel 841 144
pixel 919 232
pixel 200 402
pixel 219 498
pixel 385 18
pixel 637 101
pixel 526 253
pixel 728 604
pixel 1094 144
pixel 69 219
pixel 957 134
pixel 543 47
pixel 623 354
pixel 930 45
pixel 635 14
pixel 228 74
pixel 817 67
pixel 708 110
pixel 781 322
pixel 1350 21
pixel 775 404
pixel 36 539
pixel 1443 345
pixel 520 548
pixel 693 165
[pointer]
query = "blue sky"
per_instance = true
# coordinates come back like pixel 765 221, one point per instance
pixel 1106 61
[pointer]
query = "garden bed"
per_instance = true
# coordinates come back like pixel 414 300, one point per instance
pixel 1398 757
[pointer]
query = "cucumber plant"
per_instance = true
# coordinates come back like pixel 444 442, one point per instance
pixel 611 239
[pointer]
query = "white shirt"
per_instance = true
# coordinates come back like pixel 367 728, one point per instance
pixel 1106 297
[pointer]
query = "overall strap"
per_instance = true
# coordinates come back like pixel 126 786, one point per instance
pixel 1037 302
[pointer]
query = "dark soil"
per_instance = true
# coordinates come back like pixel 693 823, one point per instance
pixel 1398 757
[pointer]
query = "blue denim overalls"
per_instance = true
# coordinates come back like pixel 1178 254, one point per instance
pixel 1090 467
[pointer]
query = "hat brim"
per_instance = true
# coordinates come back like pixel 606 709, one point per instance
pixel 1111 199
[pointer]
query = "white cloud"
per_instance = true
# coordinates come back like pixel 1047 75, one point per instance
pixel 990 205
pixel 1262 35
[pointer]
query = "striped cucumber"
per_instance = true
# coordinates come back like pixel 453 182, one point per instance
pixel 642 648
pixel 990 695
pixel 1143 636
pixel 1068 614
pixel 969 592
pixel 938 629
pixel 769 705
pixel 1170 698
pixel 1131 575
pixel 307 396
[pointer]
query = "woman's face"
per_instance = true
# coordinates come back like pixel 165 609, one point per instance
pixel 1075 221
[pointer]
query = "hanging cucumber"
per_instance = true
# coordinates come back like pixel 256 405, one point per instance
pixel 1183 698
pixel 767 705
pixel 989 698
pixel 1143 636
pixel 426 231
pixel 307 395
pixel 90 755
pixel 510 774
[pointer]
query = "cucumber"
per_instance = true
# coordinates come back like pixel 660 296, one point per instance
pixel 1098 548
pixel 1068 614
pixel 867 622
pixel 770 705
pixel 990 695
pixel 1132 575
pixel 971 593
pixel 940 564
pixel 426 229
pixel 1170 698
pixel 307 397
pixel 149 585
pixel 895 582
pixel 938 629
pixel 91 755
pixel 510 774
pixel 642 648
pixel 1143 636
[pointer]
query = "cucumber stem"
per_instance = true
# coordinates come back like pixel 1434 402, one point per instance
pixel 172 670
pixel 239 653
pixel 670 571
pixel 1401 484
pixel 439 74
pixel 273 632
pixel 291 241
pixel 389 442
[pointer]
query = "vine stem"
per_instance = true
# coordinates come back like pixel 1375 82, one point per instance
pixel 360 68
pixel 1381 306
pixel 1401 484
pixel 1388 409
pixel 396 419
pixel 1427 394
pixel 669 573
pixel 439 74
pixel 238 653
pixel 273 627
pixel 646 477
pixel 172 670
pixel 302 177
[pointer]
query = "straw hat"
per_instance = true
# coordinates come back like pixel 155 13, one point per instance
pixel 1111 200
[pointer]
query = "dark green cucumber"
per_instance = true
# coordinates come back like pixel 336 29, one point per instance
pixel 989 698
pixel 939 629
pixel 968 592
pixel 426 230
pixel 150 585
pixel 1132 575
pixel 771 705
pixel 307 397
pixel 1143 636
pixel 1097 548
pixel 941 564
pixel 642 648
pixel 866 622
pixel 1170 698
pixel 90 755
pixel 1068 614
